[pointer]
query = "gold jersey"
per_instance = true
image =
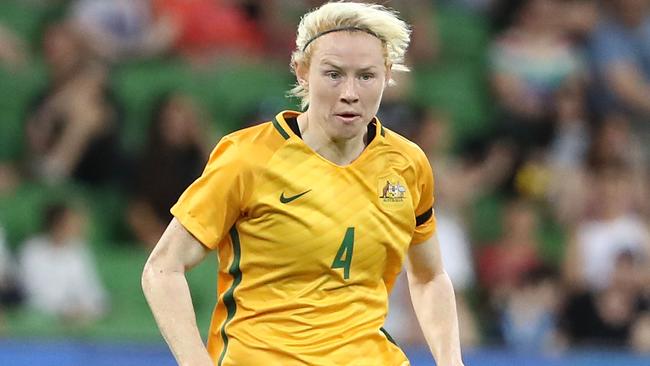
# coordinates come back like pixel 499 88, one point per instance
pixel 308 250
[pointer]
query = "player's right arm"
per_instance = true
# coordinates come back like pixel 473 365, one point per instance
pixel 167 292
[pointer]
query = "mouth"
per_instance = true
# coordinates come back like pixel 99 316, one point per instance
pixel 348 117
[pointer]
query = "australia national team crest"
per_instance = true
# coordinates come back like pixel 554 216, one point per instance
pixel 392 192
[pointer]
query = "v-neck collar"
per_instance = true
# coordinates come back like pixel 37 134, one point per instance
pixel 290 131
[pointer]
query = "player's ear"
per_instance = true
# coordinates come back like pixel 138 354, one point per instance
pixel 389 74
pixel 302 74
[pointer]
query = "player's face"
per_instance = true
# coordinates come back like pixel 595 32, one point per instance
pixel 346 79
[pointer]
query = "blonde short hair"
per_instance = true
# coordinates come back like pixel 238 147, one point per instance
pixel 374 19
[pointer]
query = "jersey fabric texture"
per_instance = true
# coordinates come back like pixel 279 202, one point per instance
pixel 308 250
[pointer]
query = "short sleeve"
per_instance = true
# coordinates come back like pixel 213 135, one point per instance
pixel 425 221
pixel 211 205
pixel 609 47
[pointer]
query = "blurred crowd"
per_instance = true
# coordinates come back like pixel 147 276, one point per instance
pixel 566 150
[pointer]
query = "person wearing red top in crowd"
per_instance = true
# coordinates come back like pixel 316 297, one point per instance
pixel 210 26
pixel 503 264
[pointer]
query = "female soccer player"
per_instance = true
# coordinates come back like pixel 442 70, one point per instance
pixel 312 216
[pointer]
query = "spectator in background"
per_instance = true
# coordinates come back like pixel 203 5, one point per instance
pixel 522 291
pixel 611 316
pixel 173 157
pixel 614 142
pixel 530 62
pixel 205 29
pixel 72 128
pixel 122 29
pixel 503 264
pixel 575 150
pixel 480 167
pixel 620 56
pixel 57 269
pixel 609 228
pixel 529 321
pixel 606 265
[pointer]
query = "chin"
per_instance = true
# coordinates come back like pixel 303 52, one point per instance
pixel 347 132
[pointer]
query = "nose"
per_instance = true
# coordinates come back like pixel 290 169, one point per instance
pixel 349 92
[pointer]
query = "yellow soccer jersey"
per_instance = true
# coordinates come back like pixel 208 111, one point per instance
pixel 308 250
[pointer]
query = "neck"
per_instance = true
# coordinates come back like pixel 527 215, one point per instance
pixel 338 151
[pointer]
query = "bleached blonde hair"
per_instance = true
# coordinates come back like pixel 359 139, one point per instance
pixel 384 23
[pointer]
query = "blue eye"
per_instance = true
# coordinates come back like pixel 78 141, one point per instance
pixel 367 76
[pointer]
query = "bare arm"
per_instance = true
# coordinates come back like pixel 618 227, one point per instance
pixel 86 116
pixel 167 292
pixel 572 265
pixel 434 302
pixel 626 82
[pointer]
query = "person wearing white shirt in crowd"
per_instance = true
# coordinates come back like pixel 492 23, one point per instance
pixel 57 270
pixel 612 228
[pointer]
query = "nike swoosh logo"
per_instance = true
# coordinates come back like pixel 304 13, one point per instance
pixel 284 199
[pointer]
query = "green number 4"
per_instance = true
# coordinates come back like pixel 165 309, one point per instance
pixel 343 258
